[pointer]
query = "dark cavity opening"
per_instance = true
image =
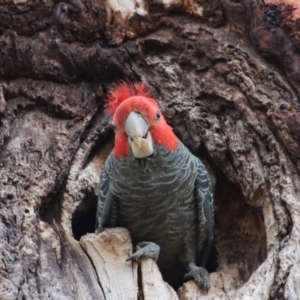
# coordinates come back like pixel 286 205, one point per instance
pixel 240 245
pixel 83 219
pixel 240 235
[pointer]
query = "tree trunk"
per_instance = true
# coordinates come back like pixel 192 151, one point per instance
pixel 226 75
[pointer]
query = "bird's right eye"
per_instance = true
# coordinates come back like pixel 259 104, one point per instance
pixel 131 138
pixel 157 114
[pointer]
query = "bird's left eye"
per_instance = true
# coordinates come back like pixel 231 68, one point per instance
pixel 157 115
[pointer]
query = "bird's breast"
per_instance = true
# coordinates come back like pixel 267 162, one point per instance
pixel 156 195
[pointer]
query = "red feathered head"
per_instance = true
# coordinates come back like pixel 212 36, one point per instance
pixel 121 92
pixel 125 98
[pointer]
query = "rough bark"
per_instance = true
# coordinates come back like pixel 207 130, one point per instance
pixel 226 75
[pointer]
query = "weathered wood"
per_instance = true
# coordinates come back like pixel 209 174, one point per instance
pixel 153 286
pixel 190 291
pixel 108 252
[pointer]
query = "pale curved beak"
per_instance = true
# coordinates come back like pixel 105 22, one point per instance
pixel 139 136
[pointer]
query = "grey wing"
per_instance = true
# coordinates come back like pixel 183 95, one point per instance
pixel 204 198
pixel 105 201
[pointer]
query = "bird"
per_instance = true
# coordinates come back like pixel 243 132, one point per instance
pixel 155 187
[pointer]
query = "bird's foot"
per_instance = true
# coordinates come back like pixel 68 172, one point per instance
pixel 148 250
pixel 201 277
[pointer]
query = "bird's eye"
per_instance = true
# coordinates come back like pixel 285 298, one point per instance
pixel 131 138
pixel 157 115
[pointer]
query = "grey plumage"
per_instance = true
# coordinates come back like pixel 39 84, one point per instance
pixel 165 199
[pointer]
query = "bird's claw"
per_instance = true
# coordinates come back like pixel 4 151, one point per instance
pixel 201 277
pixel 148 250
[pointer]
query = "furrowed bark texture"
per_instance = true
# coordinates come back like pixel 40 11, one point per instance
pixel 226 75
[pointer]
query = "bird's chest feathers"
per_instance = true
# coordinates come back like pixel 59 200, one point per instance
pixel 154 178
